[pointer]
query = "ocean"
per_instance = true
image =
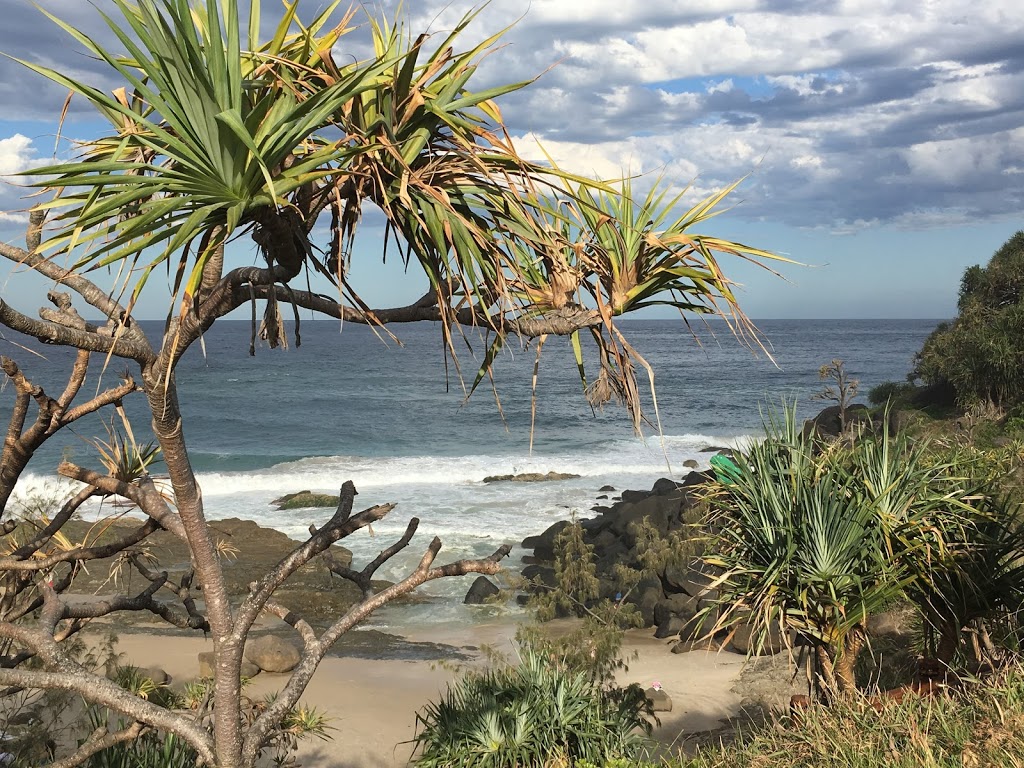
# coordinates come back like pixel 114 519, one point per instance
pixel 351 404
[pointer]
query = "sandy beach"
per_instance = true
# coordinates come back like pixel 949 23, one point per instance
pixel 372 702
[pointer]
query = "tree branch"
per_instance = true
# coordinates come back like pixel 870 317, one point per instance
pixel 98 741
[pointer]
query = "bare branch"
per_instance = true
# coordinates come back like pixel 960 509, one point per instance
pixel 145 495
pixel 301 675
pixel 52 333
pixel 98 741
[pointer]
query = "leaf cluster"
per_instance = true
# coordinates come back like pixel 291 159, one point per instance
pixel 536 713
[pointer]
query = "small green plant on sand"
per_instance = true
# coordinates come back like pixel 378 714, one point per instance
pixel 536 712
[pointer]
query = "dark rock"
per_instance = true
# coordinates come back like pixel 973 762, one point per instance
pixel 698 478
pixel 659 700
pixel 529 560
pixel 543 546
pixel 743 642
pixel 696 627
pixel 530 477
pixel 603 496
pixel 606 489
pixel 272 654
pixel 664 486
pixel 681 605
pixel 481 590
pixel 603 540
pixel 631 497
pixel 540 573
pixel 594 525
pixel 248 670
pixel 158 675
pixel 827 424
pixel 613 553
pixel 646 601
pixel 654 510
pixel 714 449
pixel 690 464
pixel 669 627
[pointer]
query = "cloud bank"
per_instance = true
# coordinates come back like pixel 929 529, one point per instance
pixel 845 114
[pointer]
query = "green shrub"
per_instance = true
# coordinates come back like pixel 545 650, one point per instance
pixel 532 714
pixel 891 392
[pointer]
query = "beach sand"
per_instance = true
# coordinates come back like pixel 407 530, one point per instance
pixel 372 702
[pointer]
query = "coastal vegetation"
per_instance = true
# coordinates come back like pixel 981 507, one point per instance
pixel 216 134
pixel 978 357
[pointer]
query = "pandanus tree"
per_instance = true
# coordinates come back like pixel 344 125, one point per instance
pixel 813 540
pixel 218 134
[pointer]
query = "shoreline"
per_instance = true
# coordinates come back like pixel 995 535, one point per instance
pixel 373 703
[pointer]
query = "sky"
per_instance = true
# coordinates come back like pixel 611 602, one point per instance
pixel 881 141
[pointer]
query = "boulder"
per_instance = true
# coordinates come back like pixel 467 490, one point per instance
pixel 593 525
pixel 669 627
pixel 690 464
pixel 664 486
pixel 272 654
pixel 681 605
pixel 828 424
pixel 481 591
pixel 742 641
pixel 645 602
pixel 543 545
pixel 654 510
pixel 606 489
pixel 540 573
pixel 709 645
pixel 698 478
pixel 158 675
pixel 658 699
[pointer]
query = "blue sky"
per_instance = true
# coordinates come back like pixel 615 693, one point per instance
pixel 883 140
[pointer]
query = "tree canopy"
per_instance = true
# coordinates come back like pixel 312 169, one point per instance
pixel 979 356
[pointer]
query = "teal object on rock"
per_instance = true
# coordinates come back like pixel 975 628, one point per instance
pixel 725 469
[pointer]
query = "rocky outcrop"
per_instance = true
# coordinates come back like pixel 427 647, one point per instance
pixel 530 477
pixel 673 598
pixel 306 500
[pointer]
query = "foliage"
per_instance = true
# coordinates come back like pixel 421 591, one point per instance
pixel 813 543
pixel 539 712
pixel 593 646
pixel 980 354
pixel 890 393
pixel 981 726
pixel 841 391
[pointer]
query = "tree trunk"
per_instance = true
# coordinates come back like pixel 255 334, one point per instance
pixel 167 426
pixel 846 661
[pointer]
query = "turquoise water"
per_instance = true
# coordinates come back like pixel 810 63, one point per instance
pixel 347 405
